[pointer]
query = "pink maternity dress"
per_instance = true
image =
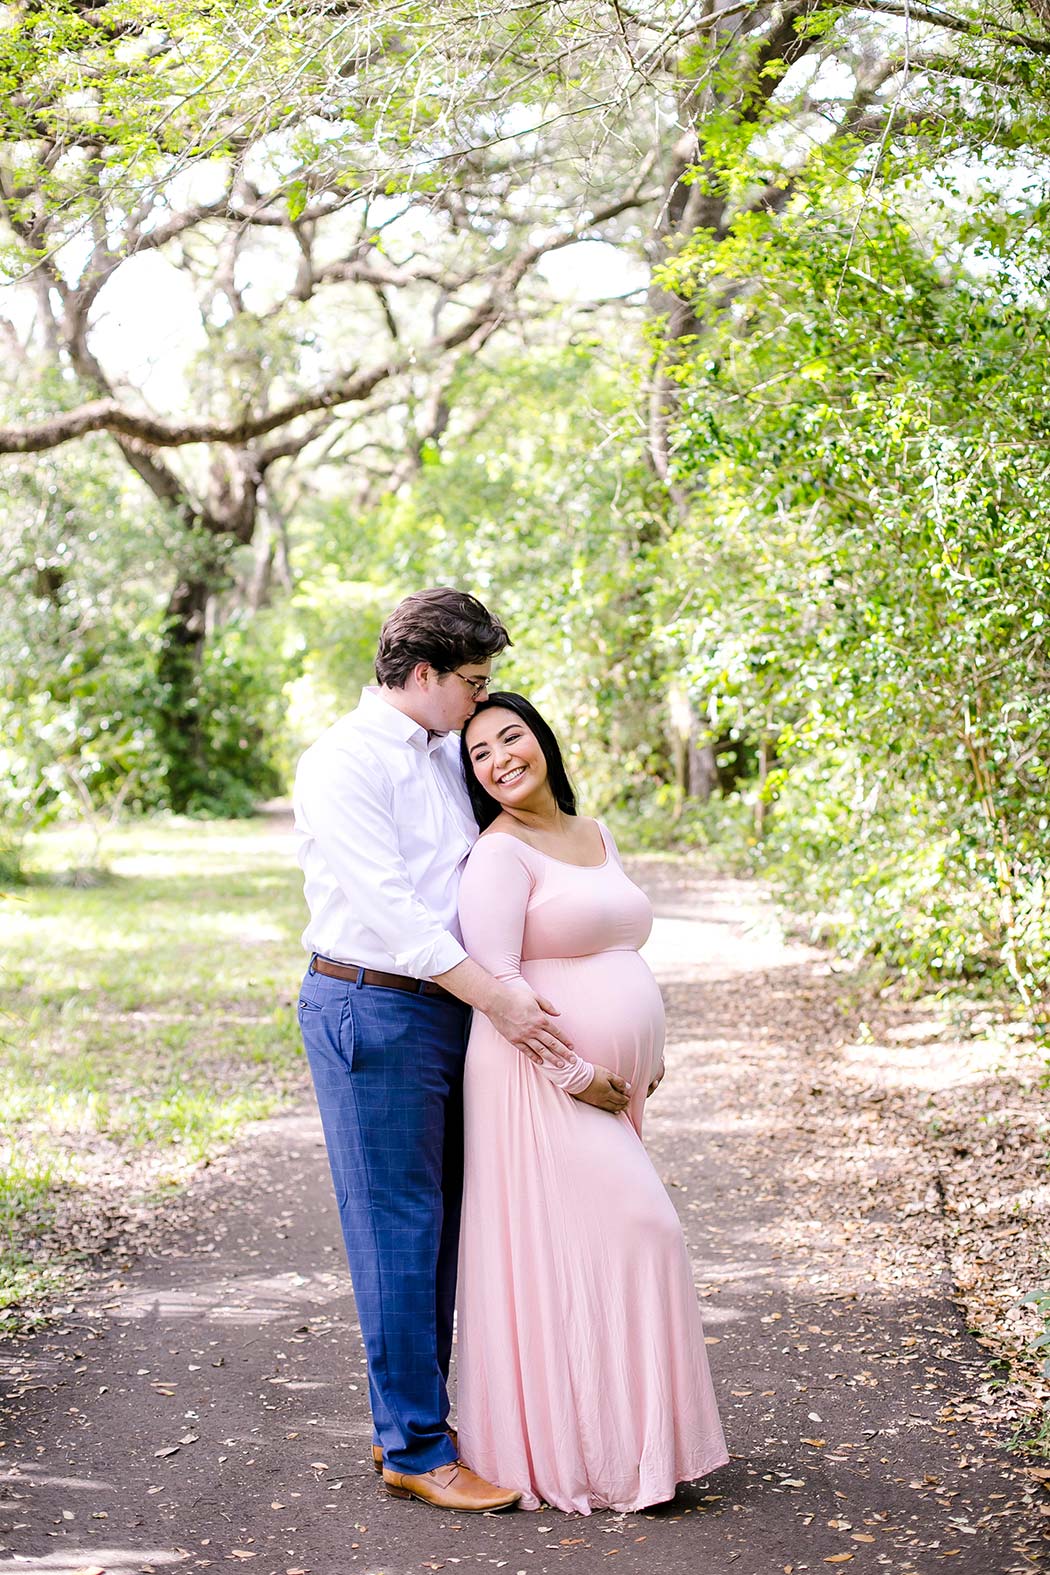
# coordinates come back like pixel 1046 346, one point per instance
pixel 583 1376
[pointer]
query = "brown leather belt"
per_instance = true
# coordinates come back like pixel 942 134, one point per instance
pixel 386 981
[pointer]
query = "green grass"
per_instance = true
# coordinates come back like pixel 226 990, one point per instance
pixel 144 1020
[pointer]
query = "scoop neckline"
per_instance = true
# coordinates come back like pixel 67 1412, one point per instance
pixel 566 862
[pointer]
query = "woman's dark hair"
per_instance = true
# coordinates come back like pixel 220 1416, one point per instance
pixel 440 626
pixel 483 804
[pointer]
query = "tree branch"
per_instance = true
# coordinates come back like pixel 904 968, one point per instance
pixel 955 24
pixel 108 415
pixel 291 445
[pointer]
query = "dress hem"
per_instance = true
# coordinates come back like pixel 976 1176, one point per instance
pixel 646 1500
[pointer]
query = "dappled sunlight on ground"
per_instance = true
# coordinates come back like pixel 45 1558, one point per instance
pixel 923 1061
pixel 715 1316
pixel 102 1561
pixel 680 951
pixel 259 1298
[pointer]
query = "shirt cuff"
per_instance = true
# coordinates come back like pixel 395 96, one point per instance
pixel 423 962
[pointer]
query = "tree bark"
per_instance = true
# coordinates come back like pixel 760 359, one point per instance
pixel 179 723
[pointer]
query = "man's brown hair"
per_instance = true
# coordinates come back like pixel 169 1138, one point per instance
pixel 441 626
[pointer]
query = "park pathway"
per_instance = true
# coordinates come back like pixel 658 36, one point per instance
pixel 208 1405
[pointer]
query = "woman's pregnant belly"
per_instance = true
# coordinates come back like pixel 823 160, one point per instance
pixel 610 1007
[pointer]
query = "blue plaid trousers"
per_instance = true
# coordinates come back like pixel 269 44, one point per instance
pixel 387 1067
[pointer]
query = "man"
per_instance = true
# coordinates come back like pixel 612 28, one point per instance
pixel 384 827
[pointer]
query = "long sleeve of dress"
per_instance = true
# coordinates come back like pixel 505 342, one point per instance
pixel 493 898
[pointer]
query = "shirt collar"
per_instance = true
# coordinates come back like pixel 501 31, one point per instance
pixel 395 724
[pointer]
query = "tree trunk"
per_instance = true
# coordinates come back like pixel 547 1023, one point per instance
pixel 761 807
pixel 179 721
pixel 695 763
pixel 270 563
pixel 703 769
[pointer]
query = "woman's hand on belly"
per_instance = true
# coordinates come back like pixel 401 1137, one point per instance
pixel 658 1078
pixel 606 1091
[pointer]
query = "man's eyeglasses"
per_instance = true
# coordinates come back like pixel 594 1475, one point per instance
pixel 477 686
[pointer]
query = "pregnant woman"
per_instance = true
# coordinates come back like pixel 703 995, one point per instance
pixel 583 1376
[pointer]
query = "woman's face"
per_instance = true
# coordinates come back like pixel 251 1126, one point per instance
pixel 506 756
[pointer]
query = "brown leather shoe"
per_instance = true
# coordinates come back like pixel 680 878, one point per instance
pixel 377 1450
pixel 454 1487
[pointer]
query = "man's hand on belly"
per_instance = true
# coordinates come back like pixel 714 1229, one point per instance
pixel 514 1010
pixel 524 1018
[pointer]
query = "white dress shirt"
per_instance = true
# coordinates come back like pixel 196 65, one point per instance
pixel 384 826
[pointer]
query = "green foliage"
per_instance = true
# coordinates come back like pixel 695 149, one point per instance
pixel 11 870
pixel 375 100
pixel 249 151
pixel 867 435
pixel 720 828
pixel 84 726
pixel 77 638
pixel 856 605
pixel 337 622
pixel 537 500
pixel 1038 1441
pixel 239 694
pixel 1040 1300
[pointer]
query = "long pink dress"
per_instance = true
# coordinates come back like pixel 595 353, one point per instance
pixel 583 1375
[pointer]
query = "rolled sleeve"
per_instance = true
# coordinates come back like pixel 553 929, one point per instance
pixel 424 962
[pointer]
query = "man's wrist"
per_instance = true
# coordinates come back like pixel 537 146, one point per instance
pixel 487 993
pixel 471 983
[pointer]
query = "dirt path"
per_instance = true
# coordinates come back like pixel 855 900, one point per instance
pixel 209 1404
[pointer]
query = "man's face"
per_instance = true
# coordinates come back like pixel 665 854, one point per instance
pixel 453 696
